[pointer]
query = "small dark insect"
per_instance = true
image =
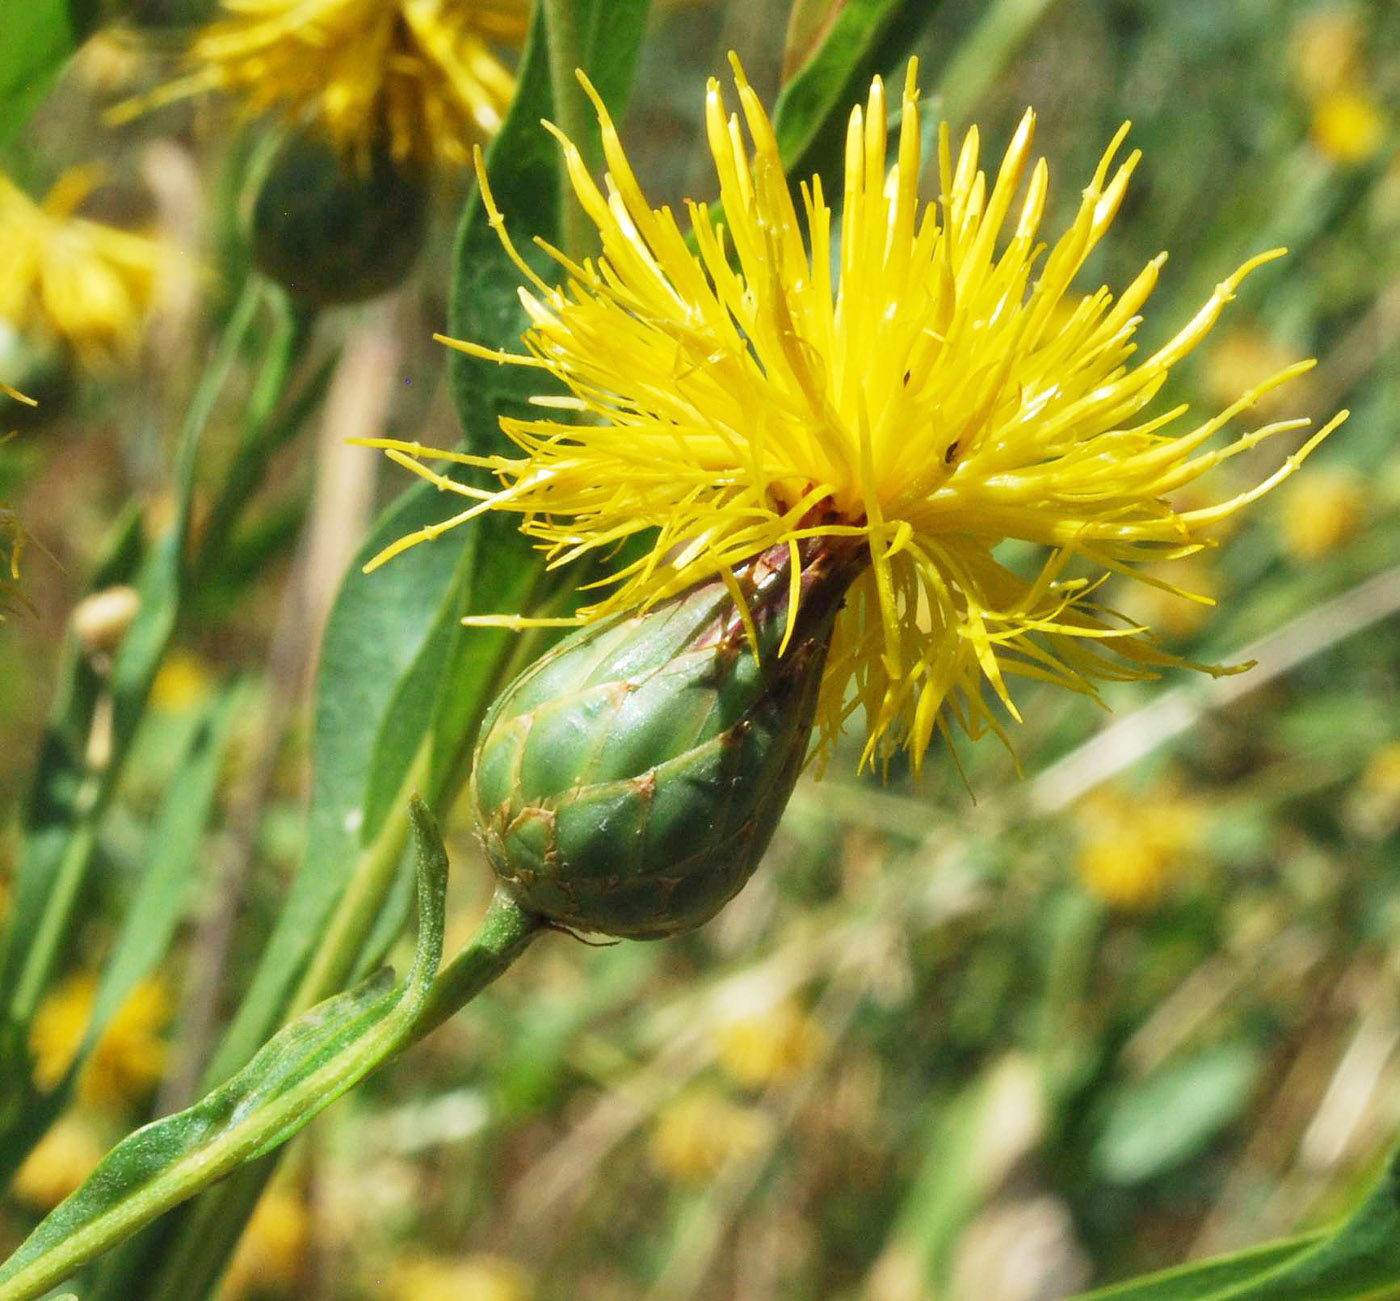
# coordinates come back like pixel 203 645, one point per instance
pixel 952 452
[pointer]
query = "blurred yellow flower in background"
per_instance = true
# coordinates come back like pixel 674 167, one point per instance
pixel 907 406
pixel 86 284
pixel 1326 49
pixel 1348 123
pixel 1319 515
pixel 1176 598
pixel 1131 845
pixel 699 1130
pixel 183 681
pixel 273 1248
pixel 1349 126
pixel 1243 358
pixel 128 1058
pixel 59 1163
pixel 419 76
pixel 767 1044
pixel 472 1278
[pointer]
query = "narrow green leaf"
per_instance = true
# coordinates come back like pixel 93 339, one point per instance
pixel 523 167
pixel 866 36
pixel 150 921
pixel 37 37
pixel 380 635
pixel 1359 1258
pixel 1208 1279
pixel 175 840
pixel 290 1080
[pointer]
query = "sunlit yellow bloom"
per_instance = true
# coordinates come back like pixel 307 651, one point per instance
pixel 419 74
pixel 130 1055
pixel 480 1277
pixel 1348 126
pixel 698 1131
pixel 82 282
pixel 59 1163
pixel 1319 514
pixel 1131 845
pixel 901 391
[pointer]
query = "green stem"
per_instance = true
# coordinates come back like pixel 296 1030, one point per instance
pixel 334 958
pixel 44 942
pixel 261 436
pixel 503 936
pixel 561 37
pixel 200 1254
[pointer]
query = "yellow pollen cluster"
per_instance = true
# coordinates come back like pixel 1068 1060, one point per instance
pixel 921 381
pixel 87 284
pixel 420 76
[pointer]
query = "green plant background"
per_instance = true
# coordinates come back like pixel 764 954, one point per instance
pixel 1005 1084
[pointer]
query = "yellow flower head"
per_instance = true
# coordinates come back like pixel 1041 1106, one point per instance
pixel 697 1132
pixel 768 1043
pixel 914 390
pixel 1349 126
pixel 419 75
pixel 129 1057
pixel 1130 847
pixel 59 1164
pixel 1322 513
pixel 87 284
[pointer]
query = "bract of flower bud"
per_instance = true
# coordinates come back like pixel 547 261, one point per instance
pixel 629 781
pixel 330 231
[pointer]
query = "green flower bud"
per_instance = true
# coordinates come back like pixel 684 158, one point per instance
pixel 332 229
pixel 629 781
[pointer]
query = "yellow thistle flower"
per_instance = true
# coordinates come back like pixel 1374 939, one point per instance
pixel 130 1055
pixel 418 74
pixel 901 392
pixel 84 283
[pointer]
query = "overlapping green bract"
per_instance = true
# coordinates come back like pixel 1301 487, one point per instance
pixel 629 782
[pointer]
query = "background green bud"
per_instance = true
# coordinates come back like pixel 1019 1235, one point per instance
pixel 629 781
pixel 332 229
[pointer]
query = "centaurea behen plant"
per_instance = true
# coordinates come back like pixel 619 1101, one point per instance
pixel 887 402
